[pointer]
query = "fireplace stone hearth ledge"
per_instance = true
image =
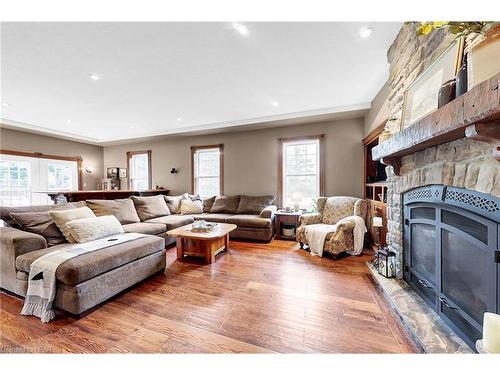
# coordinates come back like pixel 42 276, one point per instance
pixel 427 330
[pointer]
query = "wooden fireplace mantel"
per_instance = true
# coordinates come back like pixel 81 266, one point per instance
pixel 476 115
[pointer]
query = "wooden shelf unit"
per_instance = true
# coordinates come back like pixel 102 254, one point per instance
pixel 374 192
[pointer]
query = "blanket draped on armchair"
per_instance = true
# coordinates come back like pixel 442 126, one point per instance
pixel 316 235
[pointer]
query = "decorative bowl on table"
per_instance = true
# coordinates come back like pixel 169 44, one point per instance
pixel 202 226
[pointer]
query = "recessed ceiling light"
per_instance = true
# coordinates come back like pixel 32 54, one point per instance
pixel 179 118
pixel 132 127
pixel 365 32
pixel 275 103
pixel 240 28
pixel 94 77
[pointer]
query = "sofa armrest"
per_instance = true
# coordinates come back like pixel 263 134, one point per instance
pixel 19 242
pixel 268 212
pixel 15 242
pixel 307 219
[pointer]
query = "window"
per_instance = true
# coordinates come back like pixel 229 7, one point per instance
pixel 24 177
pixel 207 170
pixel 301 177
pixel 139 166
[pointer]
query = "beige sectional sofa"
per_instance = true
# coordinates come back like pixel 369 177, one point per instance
pixel 89 279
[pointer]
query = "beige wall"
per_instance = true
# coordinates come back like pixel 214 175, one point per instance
pixel 379 110
pixel 28 142
pixel 251 157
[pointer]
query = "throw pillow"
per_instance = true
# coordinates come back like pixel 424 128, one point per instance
pixel 174 202
pixel 6 211
pixel 39 223
pixel 207 203
pixel 93 228
pixel 225 205
pixel 61 218
pixel 150 207
pixel 195 197
pixel 189 207
pixel 254 205
pixel 122 209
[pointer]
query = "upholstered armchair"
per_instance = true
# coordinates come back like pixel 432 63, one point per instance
pixel 330 211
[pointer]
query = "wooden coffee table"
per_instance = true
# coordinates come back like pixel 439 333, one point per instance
pixel 202 244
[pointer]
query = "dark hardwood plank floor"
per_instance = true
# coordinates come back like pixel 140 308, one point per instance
pixel 263 298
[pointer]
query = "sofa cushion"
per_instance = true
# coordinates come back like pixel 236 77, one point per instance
pixel 90 229
pixel 122 209
pixel 39 223
pixel 5 211
pixel 207 203
pixel 254 204
pixel 86 266
pixel 145 228
pixel 174 202
pixel 249 221
pixel 173 221
pixel 195 198
pixel 150 207
pixel 215 218
pixel 62 217
pixel 225 205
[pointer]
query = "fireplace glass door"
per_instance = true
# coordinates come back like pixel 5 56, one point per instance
pixel 451 260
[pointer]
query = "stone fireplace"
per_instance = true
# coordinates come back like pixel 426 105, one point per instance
pixel 453 151
pixel 464 163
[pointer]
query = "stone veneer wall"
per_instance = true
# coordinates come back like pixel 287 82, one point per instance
pixel 463 163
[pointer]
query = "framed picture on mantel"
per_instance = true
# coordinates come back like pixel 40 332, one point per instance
pixel 421 97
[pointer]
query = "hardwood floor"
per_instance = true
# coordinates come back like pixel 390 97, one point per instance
pixel 262 298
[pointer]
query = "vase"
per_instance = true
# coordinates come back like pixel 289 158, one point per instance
pixel 461 79
pixel 446 92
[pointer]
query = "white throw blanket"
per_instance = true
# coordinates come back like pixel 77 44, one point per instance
pixel 316 235
pixel 42 276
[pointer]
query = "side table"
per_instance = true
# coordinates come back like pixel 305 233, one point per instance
pixel 286 218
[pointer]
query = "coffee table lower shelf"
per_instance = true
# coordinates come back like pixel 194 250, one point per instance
pixel 207 249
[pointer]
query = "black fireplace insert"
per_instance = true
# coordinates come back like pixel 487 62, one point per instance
pixel 452 256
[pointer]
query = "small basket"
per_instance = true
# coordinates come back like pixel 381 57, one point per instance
pixel 288 230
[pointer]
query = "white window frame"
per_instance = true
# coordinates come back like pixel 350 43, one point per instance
pixel 132 179
pixel 319 172
pixel 196 151
pixel 38 177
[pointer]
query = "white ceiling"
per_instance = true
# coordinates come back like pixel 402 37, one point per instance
pixel 165 78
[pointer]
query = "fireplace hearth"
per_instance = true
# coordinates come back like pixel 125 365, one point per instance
pixel 451 240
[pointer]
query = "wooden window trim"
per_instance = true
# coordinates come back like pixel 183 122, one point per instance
pixel 281 141
pixel 78 159
pixel 221 165
pixel 129 158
